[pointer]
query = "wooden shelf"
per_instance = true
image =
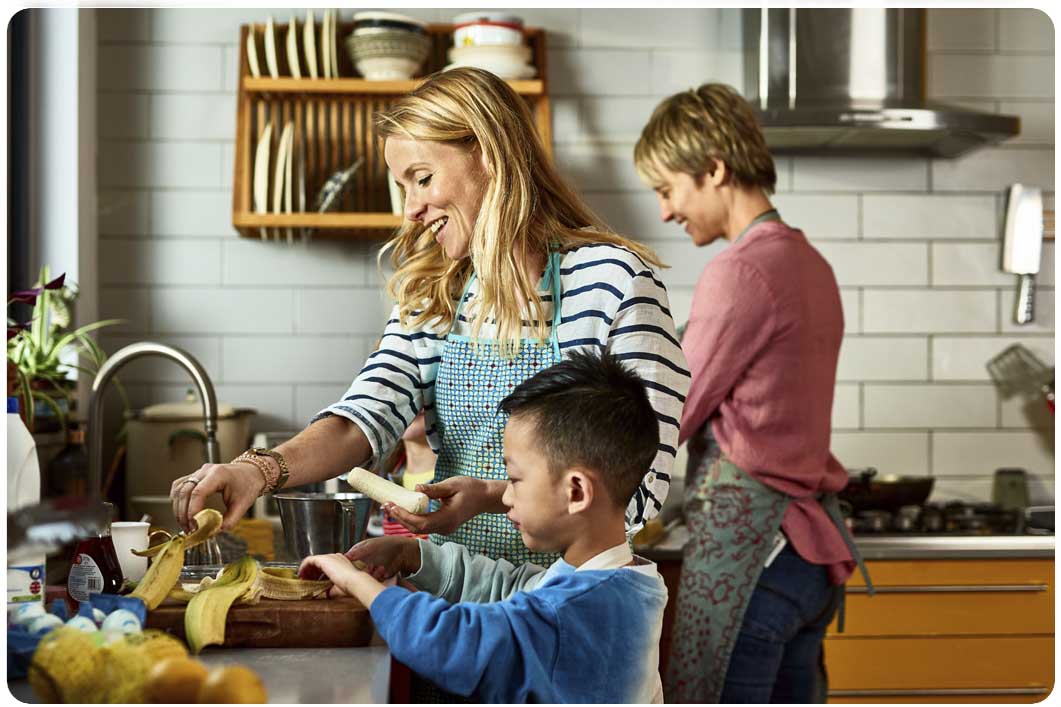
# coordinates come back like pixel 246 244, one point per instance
pixel 349 220
pixel 333 124
pixel 351 86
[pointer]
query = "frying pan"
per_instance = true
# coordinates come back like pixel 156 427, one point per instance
pixel 867 491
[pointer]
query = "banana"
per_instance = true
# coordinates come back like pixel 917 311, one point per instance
pixel 204 619
pixel 163 573
pixel 282 583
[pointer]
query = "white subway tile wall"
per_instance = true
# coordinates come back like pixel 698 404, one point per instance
pixel 914 242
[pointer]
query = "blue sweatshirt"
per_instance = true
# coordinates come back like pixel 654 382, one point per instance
pixel 526 634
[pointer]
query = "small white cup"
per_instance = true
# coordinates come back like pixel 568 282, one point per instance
pixel 129 536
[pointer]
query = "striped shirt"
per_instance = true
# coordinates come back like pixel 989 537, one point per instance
pixel 609 297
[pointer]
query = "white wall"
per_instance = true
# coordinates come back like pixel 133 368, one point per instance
pixel 914 242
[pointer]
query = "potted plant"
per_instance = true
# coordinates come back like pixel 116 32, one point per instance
pixel 35 349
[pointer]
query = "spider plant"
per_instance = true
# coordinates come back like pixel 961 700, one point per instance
pixel 36 347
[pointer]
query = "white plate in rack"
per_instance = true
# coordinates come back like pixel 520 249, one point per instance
pixel 309 43
pixel 292 49
pixel 252 54
pixel 281 170
pixel 270 48
pixel 261 174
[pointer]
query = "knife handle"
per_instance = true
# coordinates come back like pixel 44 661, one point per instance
pixel 1025 306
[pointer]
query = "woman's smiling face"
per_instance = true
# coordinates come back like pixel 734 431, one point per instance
pixel 444 186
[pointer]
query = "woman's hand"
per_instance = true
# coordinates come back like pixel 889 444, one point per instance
pixel 238 484
pixel 347 579
pixel 387 556
pixel 462 498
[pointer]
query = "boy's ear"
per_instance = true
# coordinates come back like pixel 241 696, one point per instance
pixel 580 490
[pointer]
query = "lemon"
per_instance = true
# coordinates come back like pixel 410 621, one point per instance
pixel 175 680
pixel 233 684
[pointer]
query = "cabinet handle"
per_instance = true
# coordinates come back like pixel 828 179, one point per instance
pixel 955 691
pixel 960 588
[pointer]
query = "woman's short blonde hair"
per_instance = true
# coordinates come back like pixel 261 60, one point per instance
pixel 691 129
pixel 527 207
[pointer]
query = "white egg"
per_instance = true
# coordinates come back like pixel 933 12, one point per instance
pixel 44 624
pixel 122 621
pixel 25 613
pixel 82 623
pixel 98 616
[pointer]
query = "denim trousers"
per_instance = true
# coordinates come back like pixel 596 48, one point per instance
pixel 778 653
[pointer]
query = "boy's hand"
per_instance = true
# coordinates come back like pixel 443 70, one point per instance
pixel 461 498
pixel 347 579
pixel 387 556
pixel 335 567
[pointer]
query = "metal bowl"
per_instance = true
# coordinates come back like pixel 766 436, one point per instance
pixel 322 523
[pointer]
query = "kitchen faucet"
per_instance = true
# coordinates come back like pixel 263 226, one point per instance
pixel 99 385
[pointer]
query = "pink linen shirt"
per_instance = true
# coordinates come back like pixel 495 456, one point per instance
pixel 762 344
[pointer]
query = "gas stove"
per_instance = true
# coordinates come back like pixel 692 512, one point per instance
pixel 953 518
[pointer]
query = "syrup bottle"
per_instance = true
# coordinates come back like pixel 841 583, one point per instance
pixel 94 568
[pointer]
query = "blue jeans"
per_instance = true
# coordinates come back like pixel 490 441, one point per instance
pixel 778 653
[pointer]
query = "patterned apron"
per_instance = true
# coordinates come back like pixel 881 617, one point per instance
pixel 733 520
pixel 471 382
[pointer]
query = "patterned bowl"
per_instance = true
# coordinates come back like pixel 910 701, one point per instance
pixel 388 56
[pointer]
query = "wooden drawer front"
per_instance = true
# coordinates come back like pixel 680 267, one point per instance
pixel 940 663
pixel 950 697
pixel 917 572
pixel 950 610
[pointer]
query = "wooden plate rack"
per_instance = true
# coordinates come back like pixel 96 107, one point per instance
pixel 335 116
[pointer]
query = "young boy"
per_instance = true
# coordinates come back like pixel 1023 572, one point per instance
pixel 578 440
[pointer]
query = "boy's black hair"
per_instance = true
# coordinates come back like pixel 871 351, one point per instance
pixel 590 410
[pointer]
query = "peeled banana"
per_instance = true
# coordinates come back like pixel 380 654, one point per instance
pixel 383 491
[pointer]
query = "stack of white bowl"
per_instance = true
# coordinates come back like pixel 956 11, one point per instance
pixel 386 46
pixel 491 41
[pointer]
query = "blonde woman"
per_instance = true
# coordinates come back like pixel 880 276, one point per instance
pixel 500 271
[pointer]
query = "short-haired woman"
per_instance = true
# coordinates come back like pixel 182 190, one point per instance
pixel 500 271
pixel 760 575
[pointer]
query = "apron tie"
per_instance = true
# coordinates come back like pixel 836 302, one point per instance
pixel 831 503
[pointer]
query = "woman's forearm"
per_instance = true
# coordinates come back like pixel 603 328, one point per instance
pixel 324 450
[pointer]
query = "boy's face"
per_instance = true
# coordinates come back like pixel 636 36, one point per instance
pixel 692 203
pixel 537 501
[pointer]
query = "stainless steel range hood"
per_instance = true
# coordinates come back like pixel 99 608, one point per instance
pixel 852 81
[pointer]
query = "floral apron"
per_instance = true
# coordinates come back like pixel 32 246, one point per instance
pixel 471 381
pixel 734 522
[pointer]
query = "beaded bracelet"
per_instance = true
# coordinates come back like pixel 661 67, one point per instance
pixel 262 466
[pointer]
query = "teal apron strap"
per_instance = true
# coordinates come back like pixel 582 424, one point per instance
pixel 554 274
pixel 831 504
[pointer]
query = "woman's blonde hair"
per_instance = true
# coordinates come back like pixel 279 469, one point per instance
pixel 527 207
pixel 691 129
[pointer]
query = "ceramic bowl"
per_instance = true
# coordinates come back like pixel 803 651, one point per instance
pixel 388 56
pixel 508 62
pixel 364 21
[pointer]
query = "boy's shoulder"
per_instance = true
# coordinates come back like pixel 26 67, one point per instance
pixel 621 585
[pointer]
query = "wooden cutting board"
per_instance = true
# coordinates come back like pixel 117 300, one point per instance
pixel 307 623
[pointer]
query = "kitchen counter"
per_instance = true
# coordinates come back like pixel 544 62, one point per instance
pixel 299 675
pixel 902 547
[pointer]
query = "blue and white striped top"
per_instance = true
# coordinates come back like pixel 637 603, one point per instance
pixel 610 297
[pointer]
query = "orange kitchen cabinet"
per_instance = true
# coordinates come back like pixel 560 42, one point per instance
pixel 946 631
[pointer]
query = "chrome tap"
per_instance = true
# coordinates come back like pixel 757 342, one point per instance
pixel 99 385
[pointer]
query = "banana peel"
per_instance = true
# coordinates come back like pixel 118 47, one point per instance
pixel 204 619
pixel 162 575
pixel 283 583
pixel 207 525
